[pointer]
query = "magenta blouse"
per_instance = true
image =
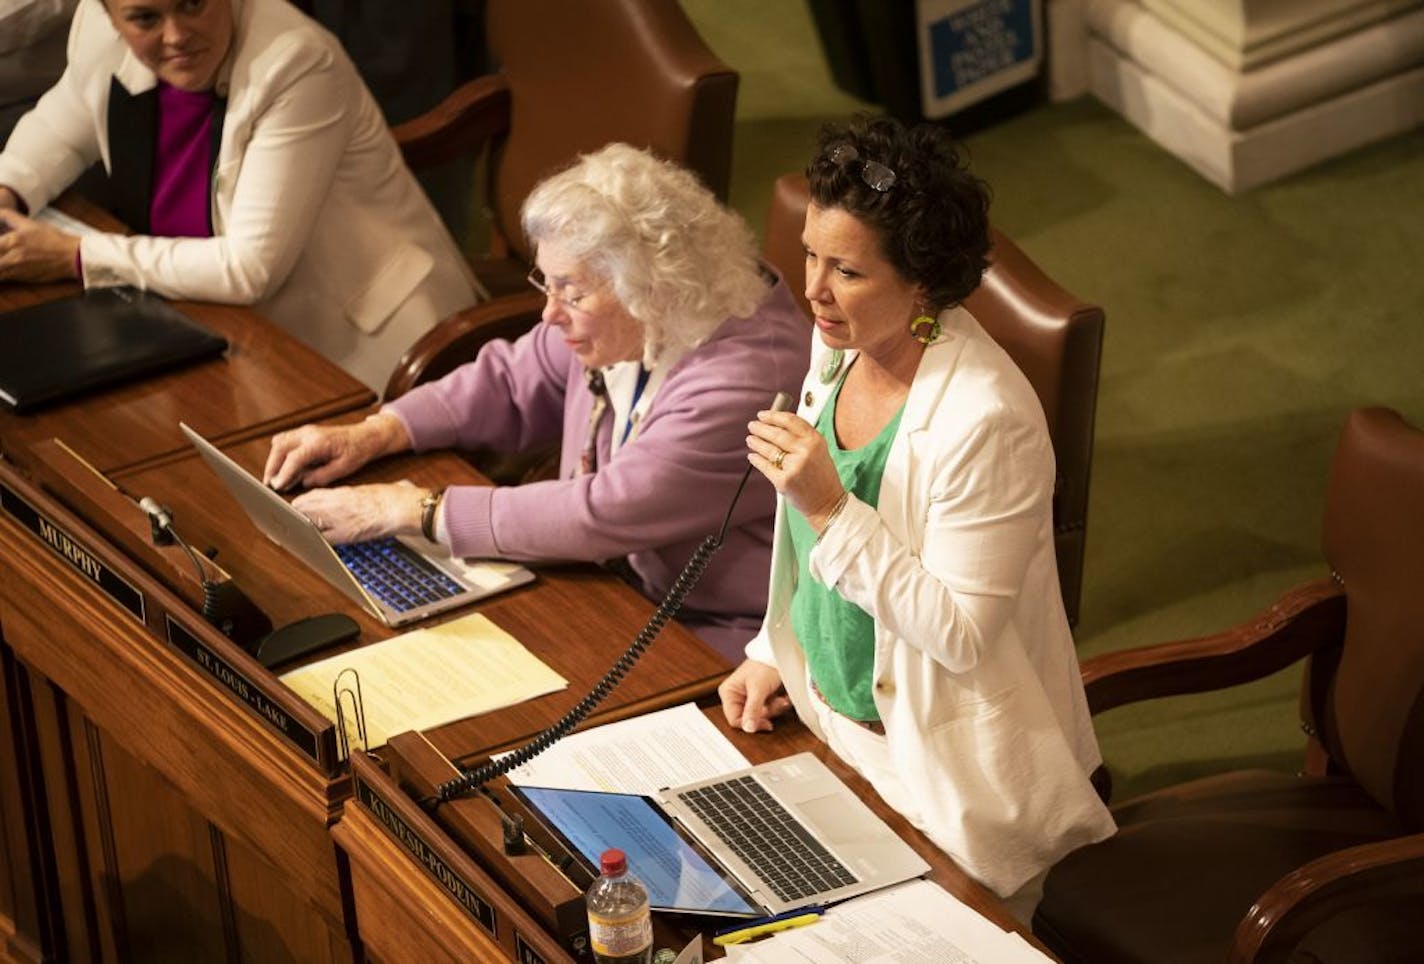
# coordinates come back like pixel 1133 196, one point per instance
pixel 182 164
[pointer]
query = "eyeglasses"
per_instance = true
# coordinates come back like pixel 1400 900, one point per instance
pixel 877 176
pixel 541 285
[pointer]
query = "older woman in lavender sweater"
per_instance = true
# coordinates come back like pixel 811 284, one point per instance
pixel 657 302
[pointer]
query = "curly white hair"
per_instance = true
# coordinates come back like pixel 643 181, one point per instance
pixel 677 260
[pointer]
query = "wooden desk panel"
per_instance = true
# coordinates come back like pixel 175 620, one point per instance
pixel 156 784
pixel 66 869
pixel 27 881
pixel 408 916
pixel 178 786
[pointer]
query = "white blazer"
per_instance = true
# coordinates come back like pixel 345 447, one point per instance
pixel 976 679
pixel 317 222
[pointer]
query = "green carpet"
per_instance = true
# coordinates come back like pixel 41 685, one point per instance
pixel 1240 331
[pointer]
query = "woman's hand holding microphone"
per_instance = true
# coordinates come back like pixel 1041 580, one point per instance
pixel 789 451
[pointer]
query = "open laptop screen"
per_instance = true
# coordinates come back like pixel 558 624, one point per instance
pixel 679 877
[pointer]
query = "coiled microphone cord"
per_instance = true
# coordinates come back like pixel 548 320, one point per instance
pixel 696 566
pixel 667 609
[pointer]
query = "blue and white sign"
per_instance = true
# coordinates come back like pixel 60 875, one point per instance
pixel 972 49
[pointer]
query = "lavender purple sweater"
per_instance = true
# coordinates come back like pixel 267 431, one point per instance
pixel 659 495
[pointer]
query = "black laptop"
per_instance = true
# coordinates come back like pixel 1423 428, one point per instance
pixel 54 351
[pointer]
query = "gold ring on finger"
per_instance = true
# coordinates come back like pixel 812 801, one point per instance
pixel 780 457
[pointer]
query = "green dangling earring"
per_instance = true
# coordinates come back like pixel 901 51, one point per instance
pixel 925 329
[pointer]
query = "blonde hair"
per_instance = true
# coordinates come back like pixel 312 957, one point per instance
pixel 677 260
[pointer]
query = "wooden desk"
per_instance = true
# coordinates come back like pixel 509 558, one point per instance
pixel 421 897
pixel 189 793
pixel 54 902
pixel 576 618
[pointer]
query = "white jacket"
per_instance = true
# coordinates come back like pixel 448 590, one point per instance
pixel 317 222
pixel 976 679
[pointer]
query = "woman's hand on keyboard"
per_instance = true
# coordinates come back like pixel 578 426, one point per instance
pixel 357 513
pixel 316 455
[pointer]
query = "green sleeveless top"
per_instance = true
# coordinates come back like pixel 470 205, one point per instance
pixel 838 636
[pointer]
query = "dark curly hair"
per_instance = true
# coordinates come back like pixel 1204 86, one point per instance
pixel 932 218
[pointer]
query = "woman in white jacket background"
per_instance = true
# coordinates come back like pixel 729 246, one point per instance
pixel 914 619
pixel 254 167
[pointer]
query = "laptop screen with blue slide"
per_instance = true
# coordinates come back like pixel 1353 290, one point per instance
pixel 779 836
pixel 678 874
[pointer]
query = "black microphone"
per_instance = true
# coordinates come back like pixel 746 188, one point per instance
pixel 224 605
pixel 160 519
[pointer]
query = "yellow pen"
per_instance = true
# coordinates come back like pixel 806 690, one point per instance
pixel 770 925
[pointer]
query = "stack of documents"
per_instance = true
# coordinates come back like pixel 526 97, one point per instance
pixel 642 754
pixel 909 924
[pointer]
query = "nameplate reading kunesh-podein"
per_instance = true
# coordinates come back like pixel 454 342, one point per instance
pixel 463 894
pixel 74 552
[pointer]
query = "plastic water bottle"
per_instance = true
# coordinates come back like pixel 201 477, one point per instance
pixel 620 925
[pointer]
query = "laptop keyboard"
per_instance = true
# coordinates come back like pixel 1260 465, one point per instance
pixel 767 838
pixel 395 574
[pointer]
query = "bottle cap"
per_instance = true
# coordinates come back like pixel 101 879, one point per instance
pixel 613 862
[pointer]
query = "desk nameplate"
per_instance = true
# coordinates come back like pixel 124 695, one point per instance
pixel 523 953
pixel 249 691
pixel 73 551
pixel 101 567
pixel 478 909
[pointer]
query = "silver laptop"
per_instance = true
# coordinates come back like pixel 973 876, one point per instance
pixel 773 838
pixel 397 580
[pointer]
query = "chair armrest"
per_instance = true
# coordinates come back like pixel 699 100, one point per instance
pixel 1310 895
pixel 459 338
pixel 1303 621
pixel 460 124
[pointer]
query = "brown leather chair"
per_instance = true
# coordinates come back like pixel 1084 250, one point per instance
pixel 460 337
pixel 1053 336
pixel 573 76
pixel 1262 866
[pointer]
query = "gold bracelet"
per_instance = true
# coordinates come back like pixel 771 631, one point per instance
pixel 835 511
pixel 429 504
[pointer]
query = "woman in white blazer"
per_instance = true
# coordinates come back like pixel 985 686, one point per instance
pixel 253 165
pixel 914 619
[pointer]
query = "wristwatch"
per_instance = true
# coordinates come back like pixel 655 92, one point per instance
pixel 429 504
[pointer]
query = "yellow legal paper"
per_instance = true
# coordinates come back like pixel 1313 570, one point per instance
pixel 428 677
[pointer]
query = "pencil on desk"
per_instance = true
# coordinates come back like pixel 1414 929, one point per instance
pixel 768 925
